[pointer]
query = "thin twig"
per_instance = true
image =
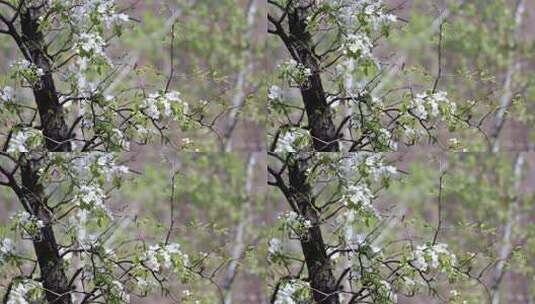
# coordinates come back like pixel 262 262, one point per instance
pixel 439 223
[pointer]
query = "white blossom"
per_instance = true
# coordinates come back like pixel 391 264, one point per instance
pixel 294 71
pixel 25 69
pixel 92 164
pixel 275 247
pixel 119 138
pixel 386 291
pixel 91 197
pixel 358 196
pixel 6 249
pixel 358 45
pixel 293 140
pixel 374 10
pixel 106 163
pixel 168 257
pixel 433 105
pixel 160 105
pixel 29 223
pixel 151 108
pixel 25 140
pixel 118 290
pixel 103 10
pixel 6 93
pixel 90 44
pixel 21 291
pixel 293 292
pixel 295 222
pixel 21 64
pixel 432 257
pixel 385 137
pixel 275 93
pixel 144 284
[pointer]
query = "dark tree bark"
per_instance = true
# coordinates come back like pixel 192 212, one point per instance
pixel 299 43
pixel 31 194
pixel 51 113
pixel 318 264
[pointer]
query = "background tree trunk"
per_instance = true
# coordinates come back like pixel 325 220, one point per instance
pixel 506 247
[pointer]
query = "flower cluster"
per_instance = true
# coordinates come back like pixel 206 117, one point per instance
pixel 293 292
pixel 95 165
pixel 90 45
pixel 88 177
pixel 384 293
pixel 275 250
pixel 6 94
pixel 27 223
pixel 275 246
pixel 385 141
pixel 6 250
pixel 24 69
pixel 91 197
pixel 105 9
pixel 117 293
pixel 102 10
pixel 358 197
pixel 164 105
pixel 159 259
pixel 378 169
pixel 296 73
pixel 25 291
pixel 293 140
pixel 357 21
pixel 105 162
pixel 454 144
pixel 291 221
pixel 118 138
pixel 358 46
pixel 86 13
pixel 433 105
pixel 366 165
pixel 376 13
pixel 275 93
pixel 25 140
pixel 433 257
pixel 165 257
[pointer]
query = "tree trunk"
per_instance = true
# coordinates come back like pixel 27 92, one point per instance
pixel 506 246
pixel 319 114
pixel 51 114
pixel 238 99
pixel 239 245
pixel 322 280
pixel 513 67
pixel 52 272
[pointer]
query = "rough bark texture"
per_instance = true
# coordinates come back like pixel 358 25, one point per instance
pixel 51 114
pixel 319 267
pixel 319 114
pixel 53 275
